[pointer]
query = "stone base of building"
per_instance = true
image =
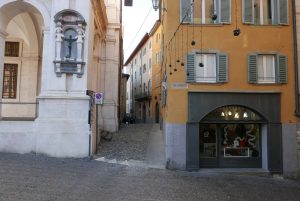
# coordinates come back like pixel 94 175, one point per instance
pixel 61 130
pixel 175 145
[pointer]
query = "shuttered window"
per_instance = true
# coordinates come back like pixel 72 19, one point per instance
pixel 267 68
pixel 207 68
pixel 202 11
pixel 265 12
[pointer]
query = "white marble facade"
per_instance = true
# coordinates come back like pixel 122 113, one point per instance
pixel 54 74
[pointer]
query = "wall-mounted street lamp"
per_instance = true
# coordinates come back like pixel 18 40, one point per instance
pixel 155 4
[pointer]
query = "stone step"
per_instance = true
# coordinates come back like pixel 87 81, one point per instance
pixel 131 163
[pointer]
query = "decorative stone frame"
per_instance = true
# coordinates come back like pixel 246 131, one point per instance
pixel 70 28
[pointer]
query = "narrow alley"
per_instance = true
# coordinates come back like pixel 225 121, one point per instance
pixel 134 144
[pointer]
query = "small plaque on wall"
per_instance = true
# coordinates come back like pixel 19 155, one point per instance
pixel 179 85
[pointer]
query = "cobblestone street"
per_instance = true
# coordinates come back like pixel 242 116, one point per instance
pixel 135 143
pixel 32 177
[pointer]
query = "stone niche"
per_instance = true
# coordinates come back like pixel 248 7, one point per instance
pixel 69 43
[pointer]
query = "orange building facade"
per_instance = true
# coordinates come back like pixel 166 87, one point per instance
pixel 229 84
pixel 156 34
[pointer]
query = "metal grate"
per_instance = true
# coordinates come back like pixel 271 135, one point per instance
pixel 12 49
pixel 10 76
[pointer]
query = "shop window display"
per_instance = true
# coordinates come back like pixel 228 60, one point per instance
pixel 240 140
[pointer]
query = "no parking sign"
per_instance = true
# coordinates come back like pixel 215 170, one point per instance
pixel 99 98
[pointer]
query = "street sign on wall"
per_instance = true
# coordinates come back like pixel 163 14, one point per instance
pixel 99 98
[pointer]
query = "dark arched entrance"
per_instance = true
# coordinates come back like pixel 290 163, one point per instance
pixel 157 113
pixel 230 136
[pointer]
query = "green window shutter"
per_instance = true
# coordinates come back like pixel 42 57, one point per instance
pixel 252 68
pixel 185 5
pixel 275 18
pixel 225 11
pixel 222 68
pixel 190 68
pixel 248 11
pixel 281 69
pixel 283 11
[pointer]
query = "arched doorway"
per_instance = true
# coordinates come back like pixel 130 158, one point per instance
pixel 157 113
pixel 230 136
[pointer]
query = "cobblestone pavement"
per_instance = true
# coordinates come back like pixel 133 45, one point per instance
pixel 130 143
pixel 38 178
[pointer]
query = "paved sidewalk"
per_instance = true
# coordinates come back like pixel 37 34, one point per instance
pixel 39 178
pixel 136 145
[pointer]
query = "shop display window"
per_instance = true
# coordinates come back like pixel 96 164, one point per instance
pixel 240 140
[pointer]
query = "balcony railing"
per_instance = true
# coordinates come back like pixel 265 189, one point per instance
pixel 146 95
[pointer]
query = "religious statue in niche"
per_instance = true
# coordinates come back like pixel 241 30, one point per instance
pixel 69 43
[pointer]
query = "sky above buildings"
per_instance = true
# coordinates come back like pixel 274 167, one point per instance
pixel 137 20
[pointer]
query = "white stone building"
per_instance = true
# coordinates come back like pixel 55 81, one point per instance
pixel 53 56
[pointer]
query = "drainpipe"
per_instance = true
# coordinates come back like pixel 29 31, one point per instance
pixel 295 58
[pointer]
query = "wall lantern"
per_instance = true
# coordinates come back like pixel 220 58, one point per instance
pixel 155 4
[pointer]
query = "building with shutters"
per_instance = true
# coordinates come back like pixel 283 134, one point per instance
pixel 228 95
pixel 139 67
pixel 144 86
pixel 54 56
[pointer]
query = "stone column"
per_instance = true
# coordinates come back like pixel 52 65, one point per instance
pixel 2 48
pixel 44 70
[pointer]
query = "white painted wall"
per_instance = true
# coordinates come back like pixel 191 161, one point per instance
pixel 61 129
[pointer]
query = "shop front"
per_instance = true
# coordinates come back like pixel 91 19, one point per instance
pixel 230 136
pixel 234 130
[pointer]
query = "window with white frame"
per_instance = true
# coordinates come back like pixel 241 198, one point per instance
pixel 265 12
pixel 206 65
pixel 266 68
pixel 205 11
